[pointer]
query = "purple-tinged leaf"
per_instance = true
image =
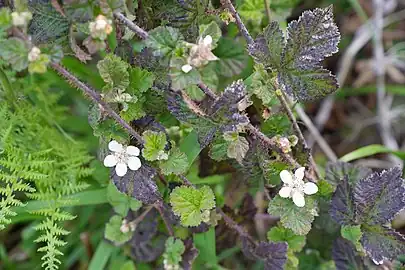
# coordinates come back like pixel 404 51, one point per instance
pixel 268 46
pixel 310 40
pixel 342 208
pixel 274 255
pixel 189 255
pixel 381 243
pixel 147 228
pixel 148 251
pixel 345 256
pixel 230 97
pixel 379 197
pixel 336 171
pixel 138 184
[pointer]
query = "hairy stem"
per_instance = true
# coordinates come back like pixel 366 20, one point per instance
pixel 234 226
pixel 135 28
pixel 207 91
pixel 96 98
pixel 241 26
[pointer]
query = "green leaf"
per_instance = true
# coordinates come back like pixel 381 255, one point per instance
pixel 154 147
pixel 163 40
pixel 298 219
pixel 219 149
pixel 15 52
pixel 5 18
pixel 213 30
pixel 268 46
pixel 206 245
pixel 280 234
pixel 102 255
pixel 180 79
pixel 189 203
pixel 238 148
pixel 191 147
pixel 370 150
pixel 259 84
pixel 353 234
pixel 114 72
pixel 120 201
pixel 135 111
pixel 232 57
pixel 174 249
pixel 113 231
pixel 39 65
pixel 325 189
pixel 177 163
pixel 140 81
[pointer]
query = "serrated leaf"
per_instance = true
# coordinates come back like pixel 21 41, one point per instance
pixel 231 96
pixel 310 40
pixel 280 234
pixel 324 189
pixel 353 234
pixel 154 146
pixel 382 243
pixel 345 256
pixel 268 46
pixel 15 52
pixel 274 255
pixel 134 111
pixel 342 208
pixel 336 171
pixel 213 30
pixel 219 148
pixel 180 79
pixel 298 219
pixel 238 148
pixel 259 84
pixel 173 252
pixel 189 203
pixel 380 197
pixel 140 81
pixel 114 72
pixel 121 202
pixel 113 231
pixel 138 184
pixel 163 40
pixel 39 65
pixel 177 163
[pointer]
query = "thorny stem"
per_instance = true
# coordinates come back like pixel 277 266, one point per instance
pixel 135 28
pixel 241 26
pixel 96 98
pixel 207 91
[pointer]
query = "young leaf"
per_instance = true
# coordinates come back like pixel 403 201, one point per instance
pixel 163 40
pixel 113 231
pixel 353 234
pixel 298 219
pixel 342 208
pixel 345 256
pixel 140 81
pixel 238 148
pixel 380 197
pixel 381 243
pixel 213 30
pixel 114 72
pixel 154 147
pixel 310 40
pixel 135 111
pixel 177 163
pixel 15 52
pixel 336 171
pixel 189 203
pixel 268 46
pixel 173 253
pixel 274 255
pixel 259 84
pixel 280 234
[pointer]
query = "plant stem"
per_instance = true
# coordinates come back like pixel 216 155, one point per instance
pixel 135 28
pixel 207 91
pixel 159 207
pixel 96 98
pixel 233 225
pixel 268 11
pixel 242 28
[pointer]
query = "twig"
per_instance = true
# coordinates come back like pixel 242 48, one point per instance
pixel 135 28
pixel 139 219
pixel 382 108
pixel 96 98
pixel 159 207
pixel 207 91
pixel 241 26
pixel 233 225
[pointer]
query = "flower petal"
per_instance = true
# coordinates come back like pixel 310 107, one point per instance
pixel 115 146
pixel 132 150
pixel 110 161
pixel 207 40
pixel 211 57
pixel 286 177
pixel 134 163
pixel 310 188
pixel 298 199
pixel 186 68
pixel 299 173
pixel 285 192
pixel 121 169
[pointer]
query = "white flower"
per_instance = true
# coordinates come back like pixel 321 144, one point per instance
pixel 186 68
pixel 127 226
pixel 122 158
pixel 34 54
pixel 294 186
pixel 100 28
pixel 21 18
pixel 200 54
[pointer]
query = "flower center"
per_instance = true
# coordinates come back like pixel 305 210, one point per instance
pixel 122 157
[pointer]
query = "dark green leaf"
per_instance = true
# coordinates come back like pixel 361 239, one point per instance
pixel 336 171
pixel 163 40
pixel 15 52
pixel 280 234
